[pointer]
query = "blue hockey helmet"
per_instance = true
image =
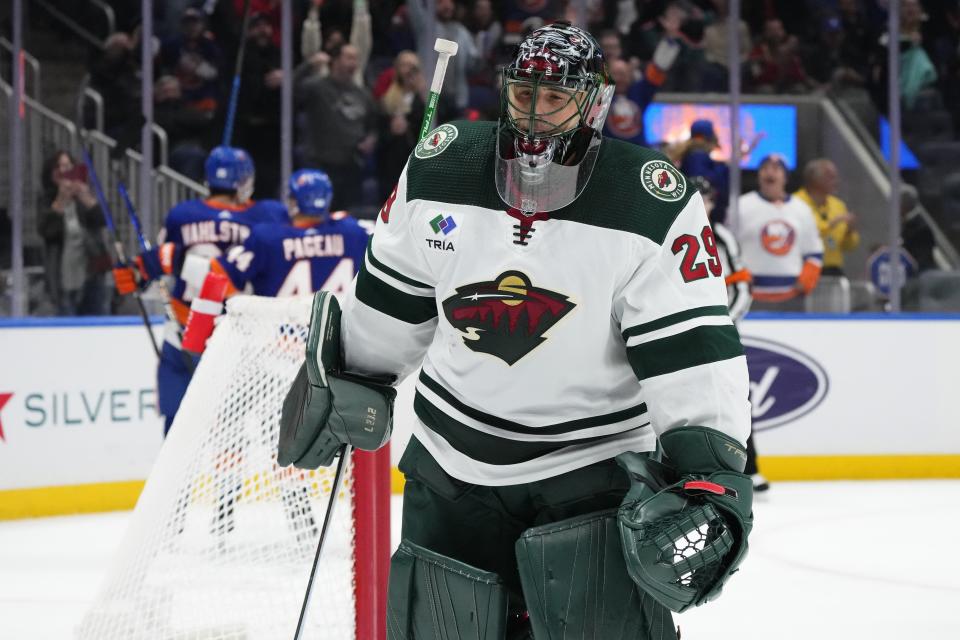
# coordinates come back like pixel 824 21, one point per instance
pixel 312 190
pixel 228 168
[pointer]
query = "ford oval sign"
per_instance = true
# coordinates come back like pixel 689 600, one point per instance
pixel 784 383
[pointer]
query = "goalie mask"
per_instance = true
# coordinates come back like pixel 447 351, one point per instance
pixel 553 103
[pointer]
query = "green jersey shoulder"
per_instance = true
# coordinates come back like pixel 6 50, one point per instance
pixel 454 164
pixel 631 189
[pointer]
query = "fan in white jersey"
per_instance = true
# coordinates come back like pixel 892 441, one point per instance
pixel 779 241
pixel 562 296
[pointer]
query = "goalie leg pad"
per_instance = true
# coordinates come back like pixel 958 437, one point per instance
pixel 576 584
pixel 433 597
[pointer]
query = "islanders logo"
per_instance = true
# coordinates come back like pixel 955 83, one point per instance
pixel 777 237
pixel 624 118
pixel 505 317
pixel 663 181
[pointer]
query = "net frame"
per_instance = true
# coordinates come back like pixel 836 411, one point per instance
pixel 191 569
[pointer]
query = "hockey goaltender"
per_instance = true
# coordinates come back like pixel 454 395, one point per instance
pixel 576 465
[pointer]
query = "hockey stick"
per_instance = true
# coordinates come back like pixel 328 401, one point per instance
pixel 447 49
pixel 144 247
pixel 117 244
pixel 345 452
pixel 235 88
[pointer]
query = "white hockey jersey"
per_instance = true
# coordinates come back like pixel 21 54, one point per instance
pixel 776 239
pixel 533 332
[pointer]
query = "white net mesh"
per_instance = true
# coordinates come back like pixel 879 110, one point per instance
pixel 222 539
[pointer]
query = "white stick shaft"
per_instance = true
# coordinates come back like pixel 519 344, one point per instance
pixel 439 72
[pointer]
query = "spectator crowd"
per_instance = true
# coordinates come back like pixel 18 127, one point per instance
pixel 362 68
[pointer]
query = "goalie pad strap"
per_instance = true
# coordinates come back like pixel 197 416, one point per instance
pixel 433 597
pixel 576 585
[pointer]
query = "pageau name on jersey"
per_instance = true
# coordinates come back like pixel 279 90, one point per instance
pixel 297 259
pixel 534 330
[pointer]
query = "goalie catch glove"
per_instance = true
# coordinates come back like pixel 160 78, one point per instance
pixel 684 524
pixel 327 408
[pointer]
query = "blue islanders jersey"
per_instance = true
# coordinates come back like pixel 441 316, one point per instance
pixel 296 260
pixel 208 229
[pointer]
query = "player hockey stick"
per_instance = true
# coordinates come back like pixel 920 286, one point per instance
pixel 117 244
pixel 345 452
pixel 144 247
pixel 447 49
pixel 235 88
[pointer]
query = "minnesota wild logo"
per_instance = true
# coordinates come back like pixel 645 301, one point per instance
pixel 436 141
pixel 662 180
pixel 505 317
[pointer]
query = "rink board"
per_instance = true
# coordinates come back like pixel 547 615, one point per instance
pixel 835 397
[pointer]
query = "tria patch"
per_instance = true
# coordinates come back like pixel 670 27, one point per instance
pixel 505 317
pixel 440 245
pixel 663 181
pixel 436 141
pixel 444 224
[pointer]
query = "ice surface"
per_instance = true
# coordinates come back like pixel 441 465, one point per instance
pixel 828 560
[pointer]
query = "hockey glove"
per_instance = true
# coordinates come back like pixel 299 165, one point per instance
pixel 326 408
pixel 164 259
pixel 124 280
pixel 684 524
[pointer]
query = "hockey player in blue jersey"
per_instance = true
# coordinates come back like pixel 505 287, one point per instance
pixel 319 251
pixel 195 232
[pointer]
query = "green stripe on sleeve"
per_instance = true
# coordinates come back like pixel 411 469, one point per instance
pixel 403 306
pixel 391 272
pixel 700 345
pixel 674 318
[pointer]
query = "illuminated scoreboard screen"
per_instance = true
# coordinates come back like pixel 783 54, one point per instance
pixel 764 128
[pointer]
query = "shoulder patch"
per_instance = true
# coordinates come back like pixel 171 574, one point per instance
pixel 663 181
pixel 436 141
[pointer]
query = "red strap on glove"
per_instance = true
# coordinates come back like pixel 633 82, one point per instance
pixel 203 311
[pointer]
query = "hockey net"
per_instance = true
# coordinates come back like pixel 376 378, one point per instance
pixel 221 542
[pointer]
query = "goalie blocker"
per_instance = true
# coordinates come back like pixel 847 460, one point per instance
pixel 327 407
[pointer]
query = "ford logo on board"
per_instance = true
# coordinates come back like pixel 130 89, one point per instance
pixel 784 383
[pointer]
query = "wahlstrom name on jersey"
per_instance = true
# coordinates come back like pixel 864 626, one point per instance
pixel 552 341
pixel 214 231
